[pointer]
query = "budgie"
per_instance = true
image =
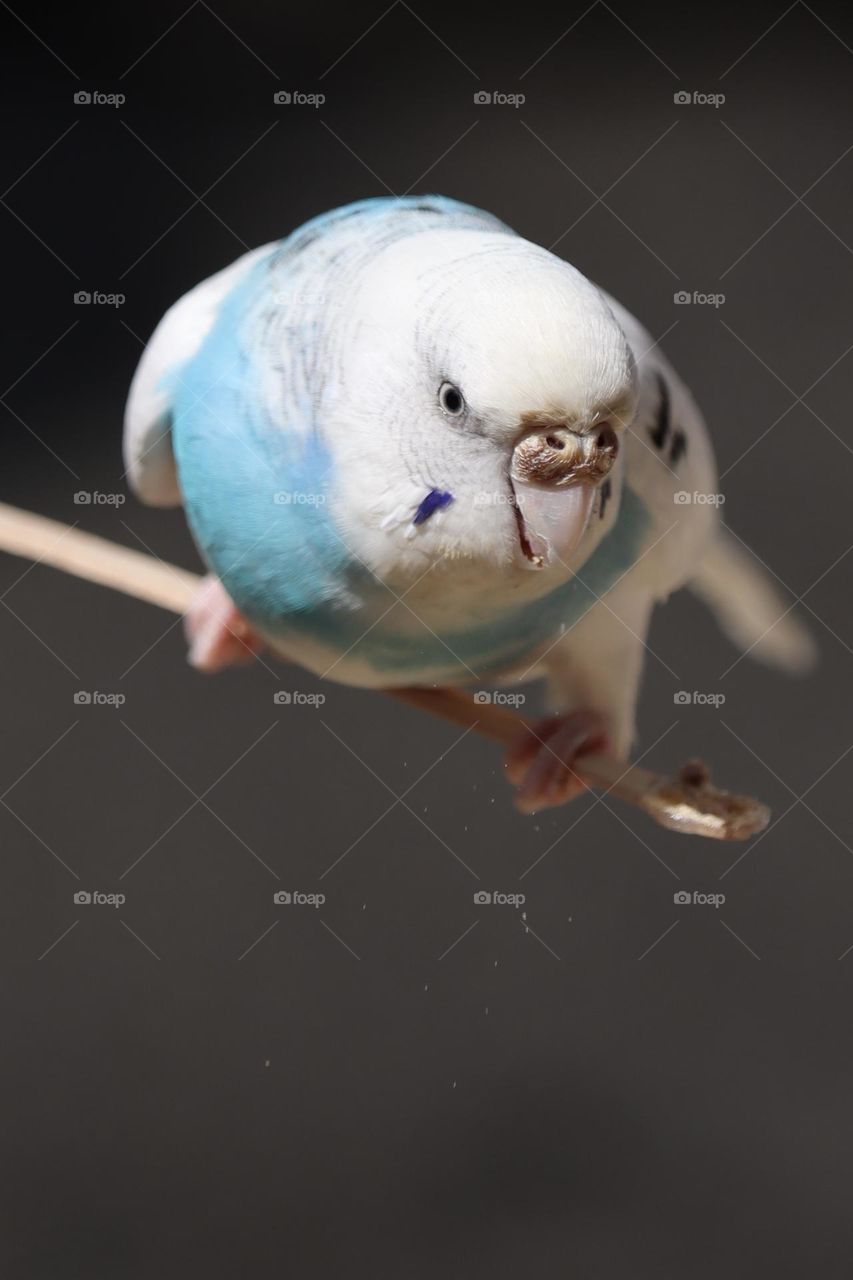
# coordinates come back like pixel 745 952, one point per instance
pixel 415 449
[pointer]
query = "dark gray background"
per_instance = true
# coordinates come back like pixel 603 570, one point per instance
pixel 630 1089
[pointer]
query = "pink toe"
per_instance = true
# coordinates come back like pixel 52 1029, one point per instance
pixel 218 634
pixel 543 763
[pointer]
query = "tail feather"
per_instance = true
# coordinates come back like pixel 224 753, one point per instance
pixel 749 609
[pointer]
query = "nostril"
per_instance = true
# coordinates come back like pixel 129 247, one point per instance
pixel 607 439
pixel 554 442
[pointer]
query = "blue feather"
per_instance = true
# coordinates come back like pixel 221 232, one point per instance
pixel 436 500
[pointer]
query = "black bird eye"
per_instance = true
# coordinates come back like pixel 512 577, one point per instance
pixel 451 399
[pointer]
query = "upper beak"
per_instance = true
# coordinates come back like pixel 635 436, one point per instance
pixel 554 472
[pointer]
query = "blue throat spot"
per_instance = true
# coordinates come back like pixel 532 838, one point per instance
pixel 436 500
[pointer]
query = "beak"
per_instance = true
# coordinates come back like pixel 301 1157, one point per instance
pixel 554 473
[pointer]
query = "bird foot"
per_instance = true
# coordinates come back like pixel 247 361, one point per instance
pixel 218 634
pixel 540 763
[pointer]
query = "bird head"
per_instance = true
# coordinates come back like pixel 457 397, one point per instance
pixel 483 401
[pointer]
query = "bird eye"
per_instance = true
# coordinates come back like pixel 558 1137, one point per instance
pixel 451 399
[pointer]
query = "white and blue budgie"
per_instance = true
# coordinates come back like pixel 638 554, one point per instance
pixel 417 450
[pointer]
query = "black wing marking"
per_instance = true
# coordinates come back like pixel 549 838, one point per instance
pixel 660 431
pixel 678 448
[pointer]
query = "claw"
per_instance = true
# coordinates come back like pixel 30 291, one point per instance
pixel 540 763
pixel 218 634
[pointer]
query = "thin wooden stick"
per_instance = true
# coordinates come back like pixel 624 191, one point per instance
pixel 95 559
pixel 689 804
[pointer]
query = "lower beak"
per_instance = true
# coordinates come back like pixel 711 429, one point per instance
pixel 551 522
pixel 554 473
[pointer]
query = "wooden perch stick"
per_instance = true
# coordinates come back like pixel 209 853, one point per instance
pixel 689 804
pixel 96 559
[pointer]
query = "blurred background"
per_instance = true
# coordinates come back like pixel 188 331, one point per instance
pixel 399 1082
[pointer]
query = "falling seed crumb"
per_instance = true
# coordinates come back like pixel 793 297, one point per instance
pixel 267 1062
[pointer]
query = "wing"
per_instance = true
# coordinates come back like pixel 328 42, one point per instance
pixel 670 466
pixel 149 458
pixel 148 455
